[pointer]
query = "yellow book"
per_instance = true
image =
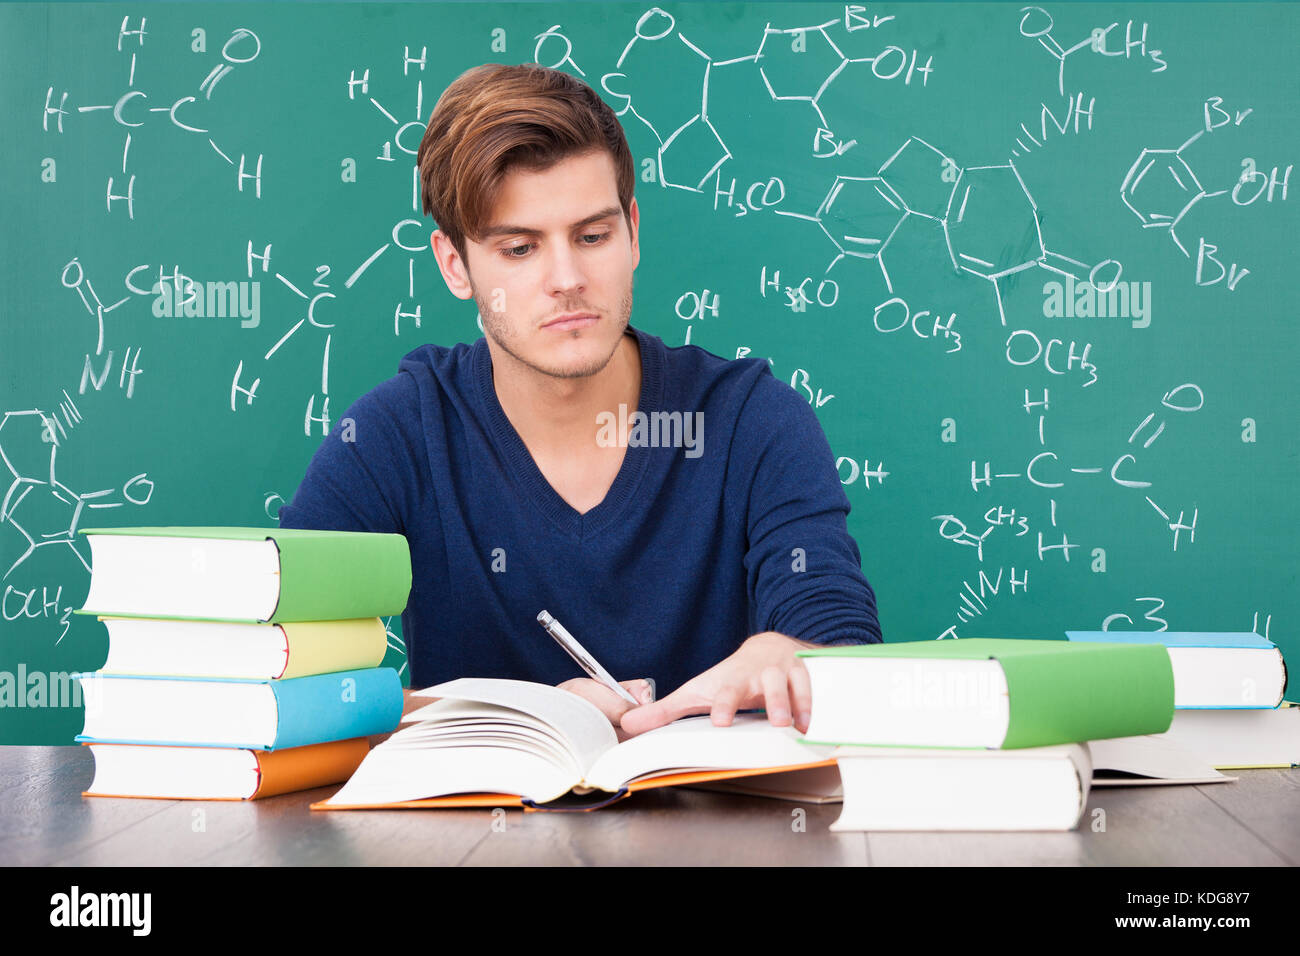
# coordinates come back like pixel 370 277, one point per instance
pixel 226 649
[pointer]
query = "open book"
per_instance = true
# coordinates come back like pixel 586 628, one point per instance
pixel 491 742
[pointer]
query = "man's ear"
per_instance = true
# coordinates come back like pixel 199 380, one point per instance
pixel 451 265
pixel 635 215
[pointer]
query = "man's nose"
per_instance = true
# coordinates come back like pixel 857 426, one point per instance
pixel 564 271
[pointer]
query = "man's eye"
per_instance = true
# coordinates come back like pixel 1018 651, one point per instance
pixel 521 252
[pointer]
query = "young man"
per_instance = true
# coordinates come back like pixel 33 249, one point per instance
pixel 701 551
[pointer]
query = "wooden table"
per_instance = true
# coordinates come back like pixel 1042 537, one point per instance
pixel 44 820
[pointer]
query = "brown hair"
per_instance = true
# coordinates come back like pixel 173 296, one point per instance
pixel 494 117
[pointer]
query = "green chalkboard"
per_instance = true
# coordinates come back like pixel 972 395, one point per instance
pixel 1034 266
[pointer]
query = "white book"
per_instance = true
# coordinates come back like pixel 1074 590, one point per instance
pixel 538 743
pixel 937 789
pixel 1229 739
pixel 1211 668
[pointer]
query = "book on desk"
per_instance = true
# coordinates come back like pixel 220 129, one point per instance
pixel 239 667
pixel 481 743
pixel 495 743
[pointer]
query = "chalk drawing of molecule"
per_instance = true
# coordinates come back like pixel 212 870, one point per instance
pixel 989 219
pixel 29 447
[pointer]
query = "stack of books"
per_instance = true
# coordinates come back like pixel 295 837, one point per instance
pixel 1229 709
pixel 242 662
pixel 978 734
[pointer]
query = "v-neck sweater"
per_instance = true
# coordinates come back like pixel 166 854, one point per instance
pixel 738 530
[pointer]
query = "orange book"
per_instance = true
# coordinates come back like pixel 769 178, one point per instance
pixel 489 743
pixel 220 773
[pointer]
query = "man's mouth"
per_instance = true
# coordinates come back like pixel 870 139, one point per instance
pixel 571 320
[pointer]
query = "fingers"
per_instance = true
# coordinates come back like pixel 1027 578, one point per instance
pixel 787 696
pixel 761 672
pixel 609 703
pixel 647 717
pixel 643 690
pixel 680 703
pixel 801 696
pixel 725 704
pixel 776 696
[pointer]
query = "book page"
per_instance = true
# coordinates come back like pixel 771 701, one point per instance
pixel 492 731
pixel 393 776
pixel 580 724
pixel 694 743
pixel 1148 757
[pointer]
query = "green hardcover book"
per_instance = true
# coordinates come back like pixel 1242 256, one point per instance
pixel 987 692
pixel 269 575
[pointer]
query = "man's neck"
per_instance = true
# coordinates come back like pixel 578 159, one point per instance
pixel 563 412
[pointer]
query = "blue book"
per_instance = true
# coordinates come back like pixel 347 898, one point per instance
pixel 1213 670
pixel 250 714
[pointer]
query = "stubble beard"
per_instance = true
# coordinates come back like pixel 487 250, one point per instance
pixel 497 327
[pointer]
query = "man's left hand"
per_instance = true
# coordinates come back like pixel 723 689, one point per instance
pixel 763 672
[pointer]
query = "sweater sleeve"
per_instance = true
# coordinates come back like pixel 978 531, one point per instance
pixel 354 480
pixel 804 570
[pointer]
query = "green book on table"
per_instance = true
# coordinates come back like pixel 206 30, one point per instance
pixel 266 575
pixel 987 692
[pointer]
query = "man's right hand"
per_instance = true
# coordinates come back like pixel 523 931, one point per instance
pixel 610 704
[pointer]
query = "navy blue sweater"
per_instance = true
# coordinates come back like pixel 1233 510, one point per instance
pixel 690 552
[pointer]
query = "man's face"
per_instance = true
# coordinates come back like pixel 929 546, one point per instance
pixel 556 244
